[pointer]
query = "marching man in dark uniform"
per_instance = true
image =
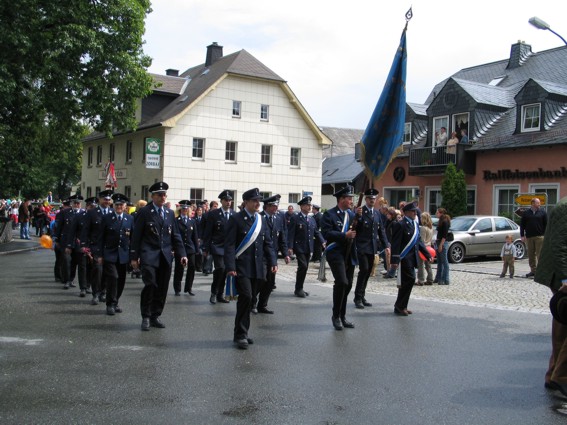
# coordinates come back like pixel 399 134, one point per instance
pixel 75 261
pixel 114 247
pixel 301 233
pixel 190 235
pixel 278 232
pixel 154 239
pixel 405 245
pixel 370 239
pixel 247 251
pixel 336 227
pixel 214 240
pixel 317 246
pixel 62 218
pixel 90 236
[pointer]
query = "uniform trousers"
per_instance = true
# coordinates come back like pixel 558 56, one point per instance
pixel 98 281
pixel 265 289
pixel 115 276
pixel 57 268
pixel 534 245
pixel 246 287
pixel 343 276
pixel 302 265
pixel 557 371
pixel 407 278
pixel 365 264
pixel 178 274
pixel 219 277
pixel 156 285
pixel 75 264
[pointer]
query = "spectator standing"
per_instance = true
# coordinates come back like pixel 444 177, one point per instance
pixel 508 255
pixel 24 217
pixel 532 229
pixel 423 266
pixel 442 276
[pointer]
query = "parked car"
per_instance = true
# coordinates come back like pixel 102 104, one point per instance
pixel 479 235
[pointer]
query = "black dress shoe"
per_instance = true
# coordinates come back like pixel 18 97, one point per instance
pixel 241 343
pixel 337 323
pixel 146 324
pixel 213 299
pixel 347 324
pixel 250 340
pixel 366 303
pixel 94 301
pixel 117 309
pixel 400 312
pixel 110 310
pixel 102 298
pixel 83 293
pixel 156 323
pixel 301 293
pixel 254 311
pixel 358 304
pixel 530 274
pixel 222 300
pixel 178 294
pixel 264 310
pixel 191 293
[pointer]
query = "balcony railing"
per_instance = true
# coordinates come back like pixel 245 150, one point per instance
pixel 434 160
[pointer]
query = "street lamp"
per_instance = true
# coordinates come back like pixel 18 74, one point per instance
pixel 542 25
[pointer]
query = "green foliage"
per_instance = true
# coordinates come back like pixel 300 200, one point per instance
pixel 454 191
pixel 65 66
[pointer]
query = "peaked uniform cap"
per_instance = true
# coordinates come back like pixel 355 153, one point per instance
pixel 226 194
pixel 159 187
pixel 252 194
pixel 272 200
pixel 305 201
pixel 106 194
pixel 371 193
pixel 345 191
pixel 119 198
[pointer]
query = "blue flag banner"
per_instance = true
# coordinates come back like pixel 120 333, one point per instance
pixel 383 137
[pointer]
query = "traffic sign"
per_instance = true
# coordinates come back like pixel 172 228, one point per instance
pixel 520 211
pixel 526 198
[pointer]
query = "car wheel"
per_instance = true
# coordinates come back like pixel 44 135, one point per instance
pixel 520 250
pixel 456 253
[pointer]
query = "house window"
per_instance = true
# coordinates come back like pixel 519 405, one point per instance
pixel 266 155
pixel 128 192
pixel 230 152
pixel 145 193
pixel 504 197
pixel 198 148
pixel 90 157
pixel 196 195
pixel 99 155
pixel 295 157
pixel 471 201
pixel 265 195
pixel 293 198
pixel 461 122
pixel 407 133
pixel 89 192
pixel 111 152
pixel 129 151
pixel 434 199
pixel 264 112
pixel 236 105
pixel 530 117
pixel 97 190
pixel 439 136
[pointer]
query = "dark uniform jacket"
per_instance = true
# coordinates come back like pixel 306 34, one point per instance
pixel 331 227
pixel 301 232
pixel 71 237
pixel 215 226
pixel 91 231
pixel 278 232
pixel 251 263
pixel 62 219
pixel 114 243
pixel 189 234
pixel 154 236
pixel 402 233
pixel 370 233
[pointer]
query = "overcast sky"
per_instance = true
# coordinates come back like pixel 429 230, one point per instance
pixel 335 55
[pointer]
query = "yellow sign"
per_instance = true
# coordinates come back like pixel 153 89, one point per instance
pixel 526 198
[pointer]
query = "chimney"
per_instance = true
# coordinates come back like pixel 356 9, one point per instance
pixel 519 54
pixel 214 53
pixel 172 72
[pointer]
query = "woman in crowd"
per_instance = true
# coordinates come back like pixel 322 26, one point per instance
pixel 442 276
pixel 426 233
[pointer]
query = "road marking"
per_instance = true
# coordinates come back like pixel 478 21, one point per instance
pixel 12 339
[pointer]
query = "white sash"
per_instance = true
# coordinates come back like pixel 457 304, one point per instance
pixel 250 236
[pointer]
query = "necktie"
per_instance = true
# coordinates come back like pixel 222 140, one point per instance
pixel 184 220
pixel 120 218
pixel 226 215
pixel 272 220
pixel 161 212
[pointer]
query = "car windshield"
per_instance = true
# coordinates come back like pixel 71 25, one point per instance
pixel 462 223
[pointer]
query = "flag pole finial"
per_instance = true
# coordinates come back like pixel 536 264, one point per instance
pixel 409 15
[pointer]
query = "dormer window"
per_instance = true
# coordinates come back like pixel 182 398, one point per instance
pixel 407 133
pixel 531 117
pixel 496 80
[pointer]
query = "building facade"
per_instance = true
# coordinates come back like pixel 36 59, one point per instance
pixel 230 123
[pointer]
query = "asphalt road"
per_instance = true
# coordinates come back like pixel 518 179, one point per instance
pixel 65 361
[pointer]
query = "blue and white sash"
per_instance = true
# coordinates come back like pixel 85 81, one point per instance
pixel 250 236
pixel 412 241
pixel 343 230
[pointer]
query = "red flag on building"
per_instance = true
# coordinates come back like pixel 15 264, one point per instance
pixel 111 181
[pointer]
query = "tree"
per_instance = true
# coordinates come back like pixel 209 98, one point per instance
pixel 65 65
pixel 454 191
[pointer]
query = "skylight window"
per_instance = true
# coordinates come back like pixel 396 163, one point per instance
pixel 497 80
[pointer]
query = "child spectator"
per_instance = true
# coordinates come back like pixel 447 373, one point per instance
pixel 508 255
